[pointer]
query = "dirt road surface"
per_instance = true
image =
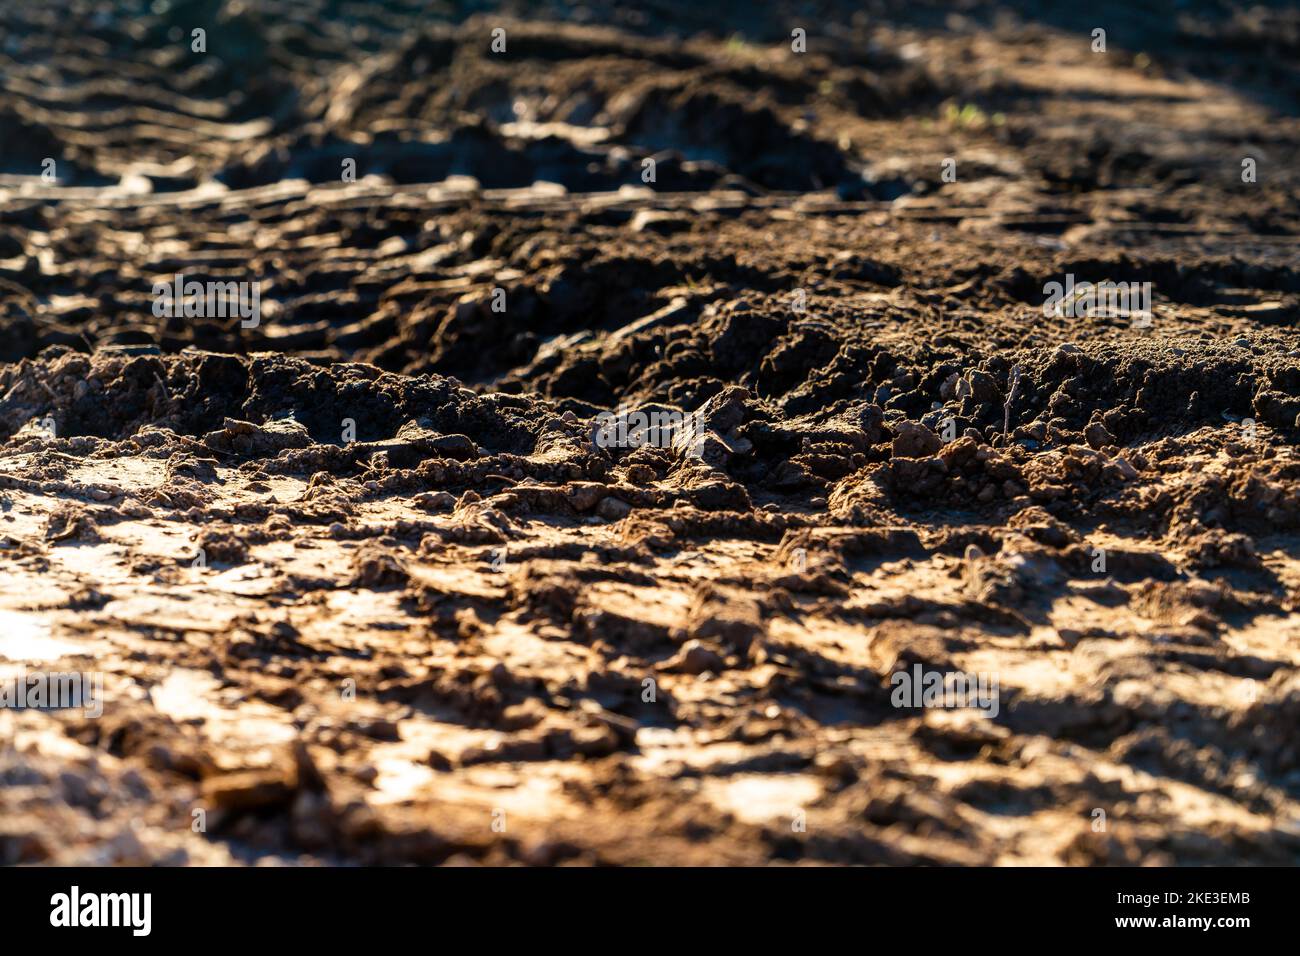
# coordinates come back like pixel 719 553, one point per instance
pixel 368 578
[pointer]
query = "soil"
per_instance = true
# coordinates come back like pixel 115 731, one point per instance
pixel 363 588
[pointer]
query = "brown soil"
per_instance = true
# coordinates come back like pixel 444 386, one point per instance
pixel 472 634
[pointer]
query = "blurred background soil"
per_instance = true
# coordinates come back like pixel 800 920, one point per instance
pixel 363 589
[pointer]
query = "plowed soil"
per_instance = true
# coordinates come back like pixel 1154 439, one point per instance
pixel 363 588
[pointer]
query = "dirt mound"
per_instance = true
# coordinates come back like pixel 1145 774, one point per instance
pixel 651 443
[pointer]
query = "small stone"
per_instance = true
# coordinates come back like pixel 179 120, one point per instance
pixel 435 501
pixel 694 658
pixel 248 790
pixel 914 440
pixel 613 509
pixel 1098 436
pixel 584 495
